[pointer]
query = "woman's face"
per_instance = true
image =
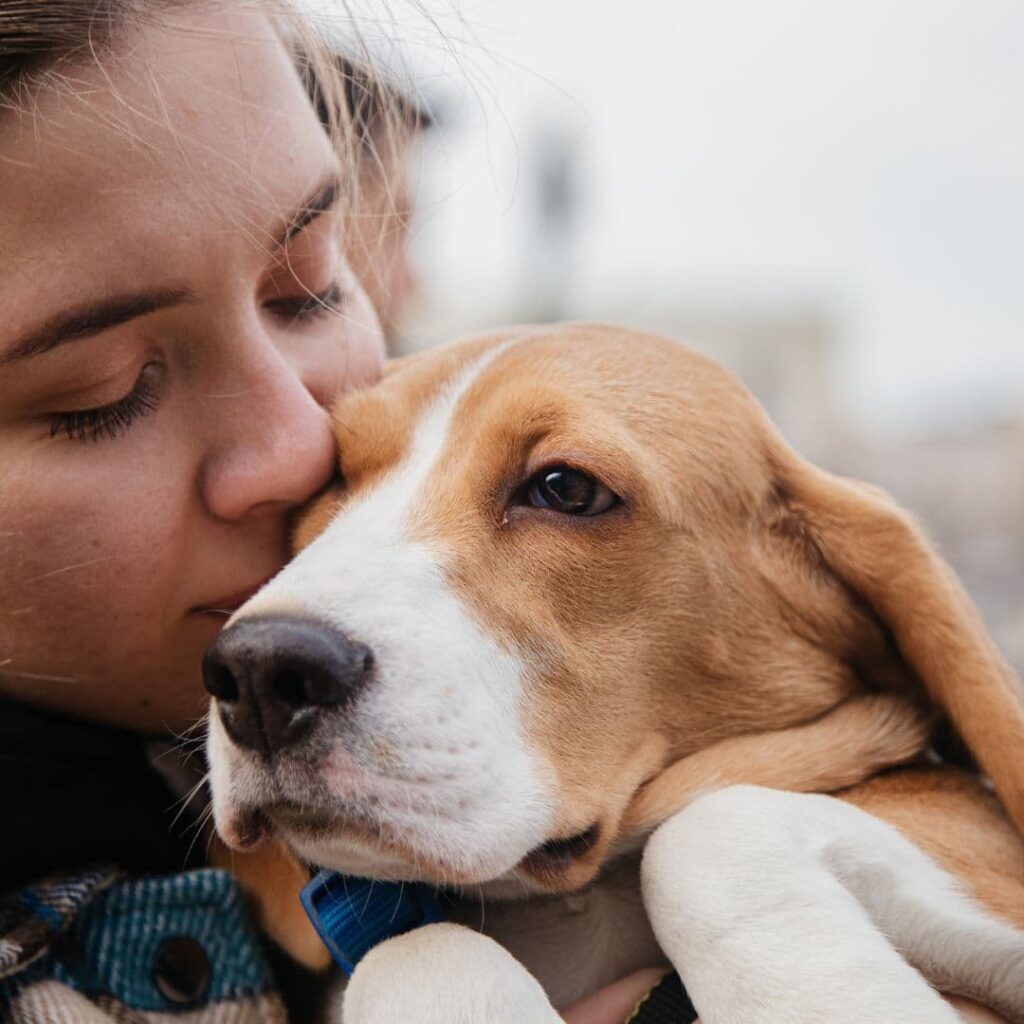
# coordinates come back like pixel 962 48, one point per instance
pixel 175 315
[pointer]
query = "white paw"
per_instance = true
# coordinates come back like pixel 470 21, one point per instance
pixel 444 974
pixel 748 898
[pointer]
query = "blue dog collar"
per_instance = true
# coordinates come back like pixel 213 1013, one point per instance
pixel 352 915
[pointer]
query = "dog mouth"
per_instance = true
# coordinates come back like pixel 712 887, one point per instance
pixel 355 841
pixel 248 828
pixel 309 821
pixel 552 859
pixel 548 864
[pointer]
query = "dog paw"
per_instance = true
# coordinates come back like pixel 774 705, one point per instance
pixel 444 974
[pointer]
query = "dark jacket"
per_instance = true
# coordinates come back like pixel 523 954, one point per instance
pixel 105 913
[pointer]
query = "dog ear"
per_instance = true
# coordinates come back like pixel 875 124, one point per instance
pixel 272 878
pixel 858 738
pixel 862 538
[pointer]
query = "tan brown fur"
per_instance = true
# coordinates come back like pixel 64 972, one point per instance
pixel 879 553
pixel 272 878
pixel 738 591
pixel 953 817
pixel 847 745
pixel 374 427
pixel 741 617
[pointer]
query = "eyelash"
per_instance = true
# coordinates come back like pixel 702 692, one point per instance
pixel 110 421
pixel 309 307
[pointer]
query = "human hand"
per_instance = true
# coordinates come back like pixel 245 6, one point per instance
pixel 972 1013
pixel 614 1003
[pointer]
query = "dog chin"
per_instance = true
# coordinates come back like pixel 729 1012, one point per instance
pixel 384 852
pixel 557 866
pixel 335 855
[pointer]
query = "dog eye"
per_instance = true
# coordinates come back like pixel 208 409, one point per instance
pixel 569 491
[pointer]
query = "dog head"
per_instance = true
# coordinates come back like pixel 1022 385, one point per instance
pixel 557 560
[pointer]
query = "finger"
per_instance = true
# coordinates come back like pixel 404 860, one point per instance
pixel 614 1003
pixel 973 1013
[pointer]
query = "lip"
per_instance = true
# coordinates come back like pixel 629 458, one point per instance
pixel 230 603
pixel 557 855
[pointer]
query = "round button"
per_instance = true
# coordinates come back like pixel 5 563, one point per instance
pixel 181 970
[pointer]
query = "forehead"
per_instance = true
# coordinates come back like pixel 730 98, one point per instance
pixel 196 125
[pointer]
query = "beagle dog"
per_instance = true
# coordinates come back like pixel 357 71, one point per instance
pixel 571 608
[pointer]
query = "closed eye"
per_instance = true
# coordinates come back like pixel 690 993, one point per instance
pixel 110 421
pixel 310 306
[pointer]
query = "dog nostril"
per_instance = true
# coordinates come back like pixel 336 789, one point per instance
pixel 290 686
pixel 272 677
pixel 220 682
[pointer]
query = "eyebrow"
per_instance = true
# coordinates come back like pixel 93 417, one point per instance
pixel 322 199
pixel 93 318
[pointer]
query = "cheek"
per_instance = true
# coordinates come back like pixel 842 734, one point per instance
pixel 348 355
pixel 364 337
pixel 365 344
pixel 94 578
pixel 79 543
pixel 588 723
pixel 588 705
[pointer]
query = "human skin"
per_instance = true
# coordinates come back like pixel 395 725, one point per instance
pixel 169 167
pixel 615 1003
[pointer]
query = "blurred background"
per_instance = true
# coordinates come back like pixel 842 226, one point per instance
pixel 826 196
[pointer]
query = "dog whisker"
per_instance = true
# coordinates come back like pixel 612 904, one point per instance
pixel 187 799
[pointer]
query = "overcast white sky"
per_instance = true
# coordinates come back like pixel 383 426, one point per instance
pixel 862 158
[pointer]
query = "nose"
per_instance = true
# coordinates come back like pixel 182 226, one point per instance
pixel 267 455
pixel 272 676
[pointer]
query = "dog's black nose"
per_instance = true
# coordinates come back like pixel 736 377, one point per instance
pixel 273 675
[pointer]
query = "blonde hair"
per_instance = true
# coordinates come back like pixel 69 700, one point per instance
pixel 367 113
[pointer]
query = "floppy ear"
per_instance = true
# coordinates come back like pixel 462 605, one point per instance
pixel 272 878
pixel 858 738
pixel 876 552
